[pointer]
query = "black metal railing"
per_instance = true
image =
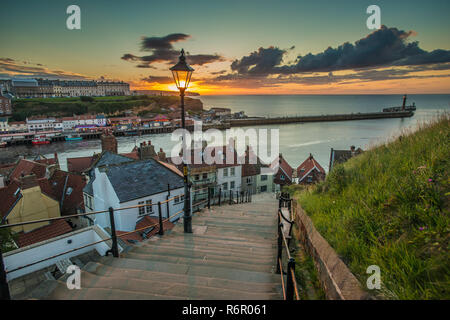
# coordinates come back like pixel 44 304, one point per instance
pixel 289 286
pixel 212 199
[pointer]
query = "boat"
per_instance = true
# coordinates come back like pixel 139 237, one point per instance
pixel 73 137
pixel 404 107
pixel 37 140
pixel 3 144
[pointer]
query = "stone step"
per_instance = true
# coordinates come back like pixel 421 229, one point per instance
pixel 249 224
pixel 190 290
pixel 209 247
pixel 201 251
pixel 61 292
pixel 218 241
pixel 192 270
pixel 207 261
pixel 161 276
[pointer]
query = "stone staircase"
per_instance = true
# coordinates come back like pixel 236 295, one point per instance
pixel 230 255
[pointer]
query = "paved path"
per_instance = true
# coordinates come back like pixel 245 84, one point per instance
pixel 230 255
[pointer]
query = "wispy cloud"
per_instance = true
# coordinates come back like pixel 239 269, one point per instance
pixel 12 68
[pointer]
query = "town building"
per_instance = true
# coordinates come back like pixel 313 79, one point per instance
pixel 40 123
pixel 310 171
pixel 24 200
pixel 340 156
pixel 4 125
pixel 265 182
pixel 284 173
pixel 251 169
pixel 129 183
pixel 17 127
pixel 45 88
pixel 5 105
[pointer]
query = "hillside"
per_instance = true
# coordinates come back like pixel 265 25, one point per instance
pixel 390 207
pixel 113 105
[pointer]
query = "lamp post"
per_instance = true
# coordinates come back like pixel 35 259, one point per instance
pixel 182 73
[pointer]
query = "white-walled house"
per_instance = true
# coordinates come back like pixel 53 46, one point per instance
pixel 132 183
pixel 229 172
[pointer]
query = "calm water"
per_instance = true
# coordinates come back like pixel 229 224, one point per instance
pixel 296 140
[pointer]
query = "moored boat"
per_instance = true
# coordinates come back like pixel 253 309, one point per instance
pixel 3 144
pixel 40 140
pixel 73 137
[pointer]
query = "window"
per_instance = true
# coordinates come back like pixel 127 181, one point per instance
pixel 141 209
pixel 69 191
pixel 232 172
pixel 197 177
pixel 263 188
pixel 309 179
pixel 225 172
pixel 282 177
pixel 249 180
pixel 232 185
pixel 264 177
pixel 205 176
pixel 225 186
pixel 149 209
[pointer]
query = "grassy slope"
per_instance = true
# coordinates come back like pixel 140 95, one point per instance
pixel 109 105
pixel 390 207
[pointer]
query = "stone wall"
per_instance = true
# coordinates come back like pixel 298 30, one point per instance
pixel 336 279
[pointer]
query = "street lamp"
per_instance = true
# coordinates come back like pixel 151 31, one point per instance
pixel 182 73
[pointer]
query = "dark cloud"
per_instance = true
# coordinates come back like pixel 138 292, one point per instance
pixel 158 79
pixel 162 43
pixel 262 61
pixel 162 51
pixel 384 47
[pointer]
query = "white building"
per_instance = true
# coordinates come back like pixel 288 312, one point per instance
pixel 118 182
pixel 40 124
pixel 229 172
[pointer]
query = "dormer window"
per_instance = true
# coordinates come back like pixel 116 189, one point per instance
pixel 69 191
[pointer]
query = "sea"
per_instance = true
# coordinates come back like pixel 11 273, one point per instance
pixel 296 141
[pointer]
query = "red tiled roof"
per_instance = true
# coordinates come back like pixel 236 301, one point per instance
pixel 307 166
pixel 132 155
pixel 283 166
pixel 80 164
pixel 57 186
pixel 54 229
pixel 27 167
pixel 145 222
pixel 8 199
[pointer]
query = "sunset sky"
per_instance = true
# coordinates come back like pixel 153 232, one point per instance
pixel 236 47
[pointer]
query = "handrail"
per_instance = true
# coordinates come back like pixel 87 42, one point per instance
pixel 291 288
pixel 282 279
pixel 284 218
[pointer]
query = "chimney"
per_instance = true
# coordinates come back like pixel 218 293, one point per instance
pixel 147 151
pixel 109 142
pixel 280 157
pixel 162 155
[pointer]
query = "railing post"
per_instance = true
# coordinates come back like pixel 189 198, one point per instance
pixel 231 196
pixel 4 287
pixel 167 198
pixel 290 280
pixel 161 228
pixel 220 194
pixel 114 248
pixel 280 246
pixel 209 198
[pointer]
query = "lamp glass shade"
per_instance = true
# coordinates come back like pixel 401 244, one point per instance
pixel 182 78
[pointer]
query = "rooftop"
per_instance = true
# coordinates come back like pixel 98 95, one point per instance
pixel 141 178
